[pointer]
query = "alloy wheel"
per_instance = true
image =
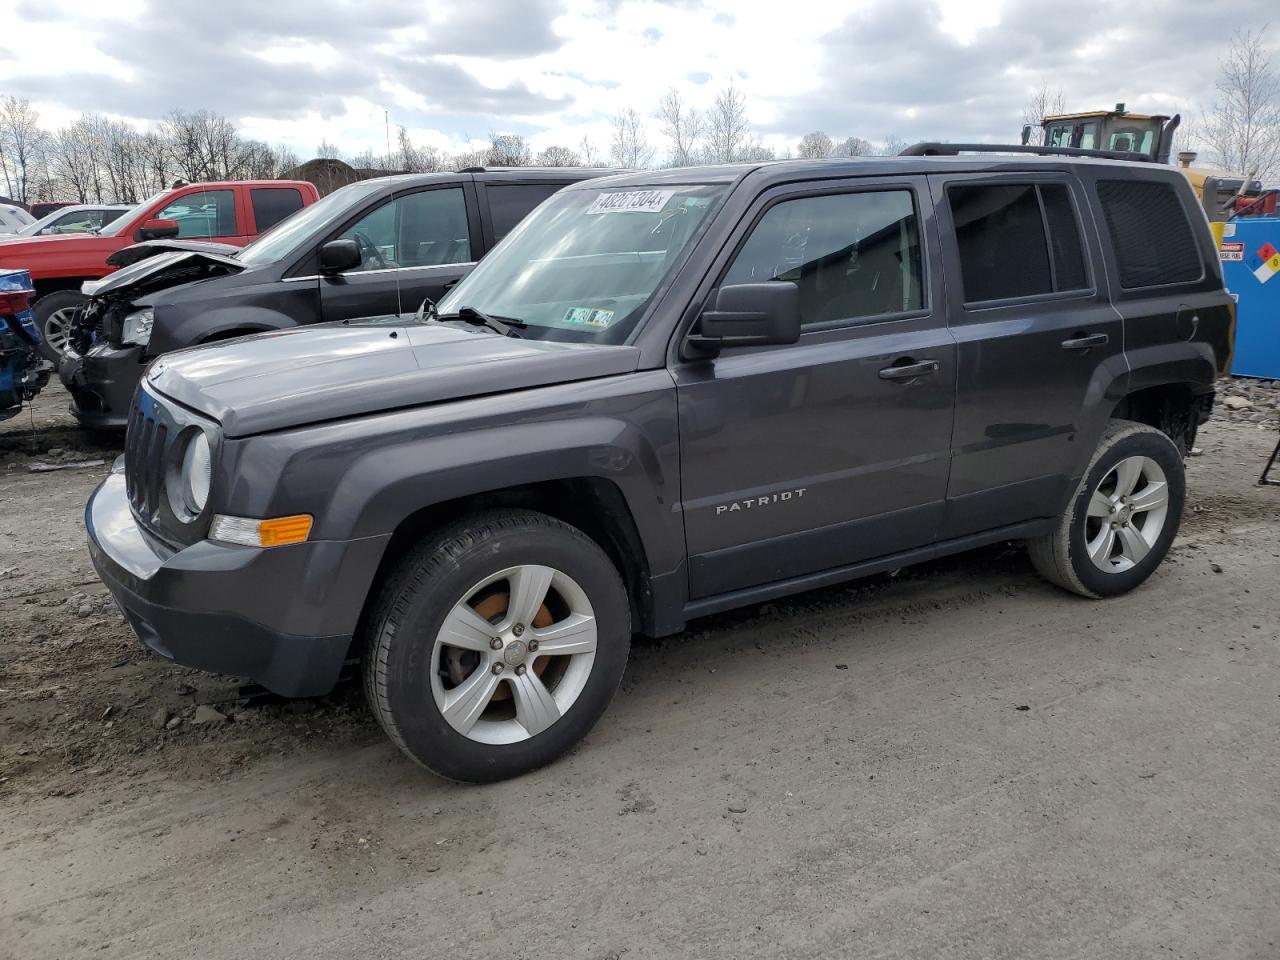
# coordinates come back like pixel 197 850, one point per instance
pixel 57 329
pixel 514 654
pixel 1126 514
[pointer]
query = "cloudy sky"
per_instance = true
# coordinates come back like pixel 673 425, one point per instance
pixel 454 71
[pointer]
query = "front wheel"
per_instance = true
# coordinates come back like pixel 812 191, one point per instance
pixel 55 315
pixel 1123 517
pixel 496 645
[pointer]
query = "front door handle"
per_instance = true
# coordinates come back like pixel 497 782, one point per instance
pixel 909 371
pixel 1086 342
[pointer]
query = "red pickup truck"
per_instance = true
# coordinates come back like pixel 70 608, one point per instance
pixel 231 213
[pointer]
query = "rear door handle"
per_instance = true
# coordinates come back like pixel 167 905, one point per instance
pixel 1086 342
pixel 909 371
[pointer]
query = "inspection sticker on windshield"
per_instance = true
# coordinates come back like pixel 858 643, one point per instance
pixel 632 201
pixel 587 317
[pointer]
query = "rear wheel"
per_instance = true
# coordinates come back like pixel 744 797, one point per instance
pixel 54 315
pixel 1123 517
pixel 496 645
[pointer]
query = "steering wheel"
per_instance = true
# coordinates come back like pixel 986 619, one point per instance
pixel 367 249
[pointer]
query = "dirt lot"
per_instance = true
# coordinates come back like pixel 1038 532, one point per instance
pixel 959 761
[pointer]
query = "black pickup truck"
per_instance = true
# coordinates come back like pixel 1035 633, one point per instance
pixel 669 394
pixel 375 247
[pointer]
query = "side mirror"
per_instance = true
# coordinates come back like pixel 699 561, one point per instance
pixel 1026 134
pixel 339 255
pixel 750 314
pixel 156 230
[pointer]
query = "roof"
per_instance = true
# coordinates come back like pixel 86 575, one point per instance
pixel 784 171
pixel 1099 114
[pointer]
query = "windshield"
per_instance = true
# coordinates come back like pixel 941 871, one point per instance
pixel 583 265
pixel 117 226
pixel 285 235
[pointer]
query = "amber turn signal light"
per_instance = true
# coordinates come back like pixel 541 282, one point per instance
pixel 276 532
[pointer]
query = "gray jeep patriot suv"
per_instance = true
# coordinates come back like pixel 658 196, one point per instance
pixel 663 395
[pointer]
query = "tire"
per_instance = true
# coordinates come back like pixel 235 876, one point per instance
pixel 53 314
pixel 1085 553
pixel 426 692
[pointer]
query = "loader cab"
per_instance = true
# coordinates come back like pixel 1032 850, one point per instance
pixel 1116 129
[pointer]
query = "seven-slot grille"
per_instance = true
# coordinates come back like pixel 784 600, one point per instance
pixel 144 461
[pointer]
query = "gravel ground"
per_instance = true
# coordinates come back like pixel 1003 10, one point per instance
pixel 959 761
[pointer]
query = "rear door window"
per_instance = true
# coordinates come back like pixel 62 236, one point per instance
pixel 273 204
pixel 1016 240
pixel 509 203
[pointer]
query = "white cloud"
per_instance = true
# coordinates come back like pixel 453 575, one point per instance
pixel 454 71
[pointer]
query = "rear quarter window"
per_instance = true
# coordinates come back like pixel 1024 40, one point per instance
pixel 1150 233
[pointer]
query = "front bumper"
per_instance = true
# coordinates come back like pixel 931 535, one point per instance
pixel 283 616
pixel 101 383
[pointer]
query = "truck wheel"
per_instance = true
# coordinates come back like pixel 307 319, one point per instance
pixel 54 314
pixel 496 644
pixel 1123 517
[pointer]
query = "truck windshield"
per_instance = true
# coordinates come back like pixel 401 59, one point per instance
pixel 280 240
pixel 125 219
pixel 583 265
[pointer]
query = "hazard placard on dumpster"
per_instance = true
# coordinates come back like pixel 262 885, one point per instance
pixel 1250 254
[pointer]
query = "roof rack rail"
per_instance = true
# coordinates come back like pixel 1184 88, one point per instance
pixel 953 149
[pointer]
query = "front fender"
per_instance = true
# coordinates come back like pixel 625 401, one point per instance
pixel 175 330
pixel 361 478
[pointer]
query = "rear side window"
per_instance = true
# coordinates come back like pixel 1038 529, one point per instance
pixel 1016 240
pixel 273 204
pixel 511 203
pixel 1150 233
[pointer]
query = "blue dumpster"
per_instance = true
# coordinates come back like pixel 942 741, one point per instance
pixel 1250 254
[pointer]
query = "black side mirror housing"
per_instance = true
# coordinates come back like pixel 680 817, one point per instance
pixel 749 314
pixel 339 255
pixel 156 230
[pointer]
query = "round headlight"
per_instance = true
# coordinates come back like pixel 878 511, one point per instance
pixel 197 473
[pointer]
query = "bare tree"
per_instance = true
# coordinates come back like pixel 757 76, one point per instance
pixel 815 145
pixel 1043 103
pixel 470 158
pixel 728 131
pixel 853 147
pixel 326 150
pixel 755 151
pixel 1242 129
pixel 891 146
pixel 22 142
pixel 508 150
pixel 683 128
pixel 630 147
pixel 559 157
pixel 590 154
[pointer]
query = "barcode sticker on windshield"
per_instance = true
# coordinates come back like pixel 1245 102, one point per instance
pixel 587 317
pixel 633 201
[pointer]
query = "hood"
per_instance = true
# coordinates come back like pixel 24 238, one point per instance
pixel 149 248
pixel 289 378
pixel 161 269
pixel 18 250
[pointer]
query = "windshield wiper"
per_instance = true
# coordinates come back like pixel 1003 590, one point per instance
pixel 507 326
